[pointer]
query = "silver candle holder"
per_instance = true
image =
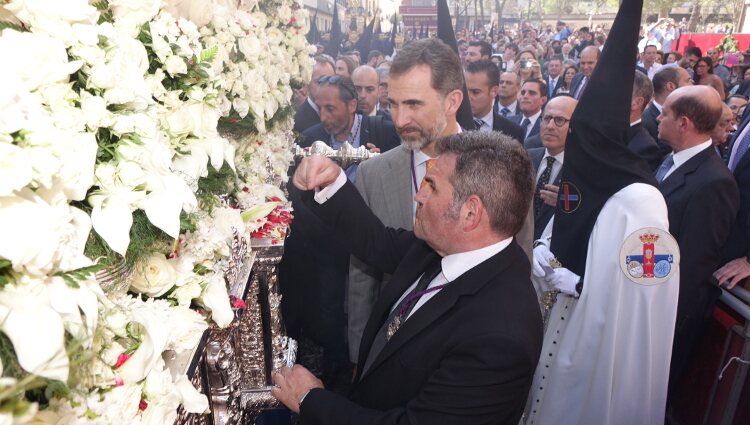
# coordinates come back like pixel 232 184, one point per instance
pixel 346 156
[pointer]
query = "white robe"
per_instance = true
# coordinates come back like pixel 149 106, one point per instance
pixel 605 357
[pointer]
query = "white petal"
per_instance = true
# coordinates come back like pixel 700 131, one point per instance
pixel 192 400
pixel 112 220
pixel 216 299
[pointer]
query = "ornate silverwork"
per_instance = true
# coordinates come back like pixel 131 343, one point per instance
pixel 346 156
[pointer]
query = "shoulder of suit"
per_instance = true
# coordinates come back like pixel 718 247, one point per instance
pixel 395 155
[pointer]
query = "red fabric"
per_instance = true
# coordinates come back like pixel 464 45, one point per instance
pixel 706 41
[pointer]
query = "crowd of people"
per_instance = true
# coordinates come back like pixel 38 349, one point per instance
pixel 503 297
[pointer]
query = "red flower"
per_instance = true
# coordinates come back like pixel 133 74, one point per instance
pixel 121 359
pixel 142 405
pixel 119 382
pixel 237 303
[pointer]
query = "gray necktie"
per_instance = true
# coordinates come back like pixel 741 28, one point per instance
pixel 665 166
pixel 505 112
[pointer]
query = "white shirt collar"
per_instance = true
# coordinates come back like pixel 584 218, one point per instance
pixel 635 122
pixel 313 105
pixel 683 156
pixel 488 119
pixel 559 157
pixel 657 105
pixel 420 157
pixel 533 119
pixel 455 265
pixel 374 112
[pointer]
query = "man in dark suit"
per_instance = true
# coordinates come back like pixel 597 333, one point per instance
pixel 456 333
pixel 340 121
pixel 736 252
pixel 589 58
pixel 548 160
pixel 507 103
pixel 665 81
pixel 553 76
pixel 533 97
pixel 702 201
pixel 639 141
pixel 482 84
pixel 307 115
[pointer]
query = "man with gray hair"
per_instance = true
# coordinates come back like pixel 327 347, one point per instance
pixel 456 333
pixel 639 141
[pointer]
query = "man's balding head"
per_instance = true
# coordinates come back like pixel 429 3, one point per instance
pixel 366 81
pixel 589 58
pixel 689 116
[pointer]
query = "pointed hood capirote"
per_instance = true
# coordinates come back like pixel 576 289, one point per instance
pixel 446 35
pixel 598 163
pixel 334 42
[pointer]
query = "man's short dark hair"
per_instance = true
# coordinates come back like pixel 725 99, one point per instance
pixel 496 168
pixel 695 51
pixel 669 74
pixel 704 117
pixel 543 88
pixel 642 87
pixel 447 74
pixel 488 68
pixel 374 54
pixel 485 49
pixel 513 46
pixel 584 30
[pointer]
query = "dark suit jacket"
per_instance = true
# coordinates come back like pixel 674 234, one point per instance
pixel 466 356
pixel 388 139
pixel 738 244
pixel 386 114
pixel 534 130
pixel 305 117
pixel 506 126
pixel 702 200
pixel 546 212
pixel 648 119
pixel 533 142
pixel 574 83
pixel 642 144
pixel 558 84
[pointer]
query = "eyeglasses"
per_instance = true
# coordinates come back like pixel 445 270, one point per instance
pixel 559 121
pixel 339 81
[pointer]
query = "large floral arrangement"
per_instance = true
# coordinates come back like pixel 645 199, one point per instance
pixel 113 156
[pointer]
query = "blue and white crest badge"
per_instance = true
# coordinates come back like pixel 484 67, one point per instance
pixel 649 256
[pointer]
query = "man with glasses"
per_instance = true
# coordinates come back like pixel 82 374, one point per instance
pixel 307 115
pixel 548 160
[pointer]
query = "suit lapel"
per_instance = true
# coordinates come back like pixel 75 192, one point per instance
pixel 468 283
pixel 399 179
pixel 677 179
pixel 407 273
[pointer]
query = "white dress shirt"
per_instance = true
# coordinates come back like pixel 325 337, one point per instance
pixel 532 121
pixel 556 166
pixel 313 105
pixel 488 121
pixel 683 156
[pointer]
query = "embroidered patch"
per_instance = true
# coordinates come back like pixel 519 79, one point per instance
pixel 649 256
pixel 569 197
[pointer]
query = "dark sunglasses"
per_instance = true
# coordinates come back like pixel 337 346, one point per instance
pixel 339 81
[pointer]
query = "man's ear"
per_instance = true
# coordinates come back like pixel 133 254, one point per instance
pixel 454 100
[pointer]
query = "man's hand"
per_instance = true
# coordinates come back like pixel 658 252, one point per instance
pixel 733 272
pixel 372 148
pixel 315 172
pixel 290 385
pixel 549 194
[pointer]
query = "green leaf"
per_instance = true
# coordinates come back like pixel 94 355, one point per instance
pixel 208 55
pixel 101 5
pixel 12 26
pixel 4 263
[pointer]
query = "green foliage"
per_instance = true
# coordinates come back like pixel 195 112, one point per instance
pixel 105 14
pixel 72 278
pixel 5 268
pixel 728 44
pixel 10 25
pixel 218 182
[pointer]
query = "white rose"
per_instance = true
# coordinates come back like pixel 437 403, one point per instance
pixel 285 14
pixel 175 65
pixel 186 293
pixel 39 237
pixel 95 111
pixel 54 17
pixel 37 59
pixel 15 168
pixel 200 12
pixel 241 107
pixel 180 122
pixel 121 404
pixel 131 14
pixel 154 276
